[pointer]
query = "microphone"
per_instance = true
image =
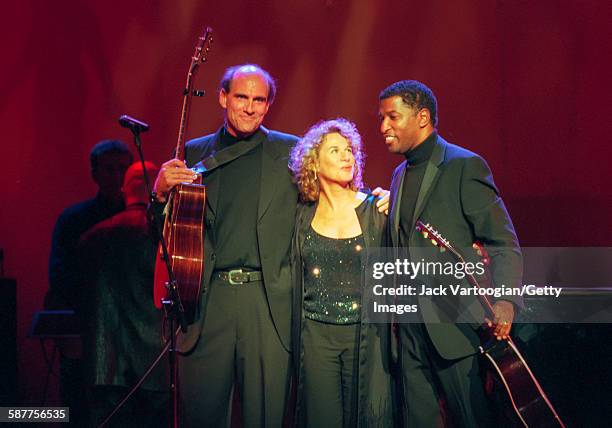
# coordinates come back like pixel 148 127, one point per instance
pixel 134 125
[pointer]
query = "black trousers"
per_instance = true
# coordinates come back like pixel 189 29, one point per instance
pixel 330 369
pixel 427 379
pixel 238 345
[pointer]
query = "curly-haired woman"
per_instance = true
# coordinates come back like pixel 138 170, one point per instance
pixel 339 357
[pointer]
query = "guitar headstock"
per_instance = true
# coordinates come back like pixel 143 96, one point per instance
pixel 200 55
pixel 437 240
pixel 432 235
pixel 203 46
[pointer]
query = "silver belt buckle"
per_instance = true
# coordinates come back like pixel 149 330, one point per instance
pixel 229 277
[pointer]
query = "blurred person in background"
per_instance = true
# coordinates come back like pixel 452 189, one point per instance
pixel 122 328
pixel 109 161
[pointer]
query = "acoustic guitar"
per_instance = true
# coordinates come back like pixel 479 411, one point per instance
pixel 184 222
pixel 528 404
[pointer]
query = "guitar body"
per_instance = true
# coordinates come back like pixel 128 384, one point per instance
pixel 184 235
pixel 527 404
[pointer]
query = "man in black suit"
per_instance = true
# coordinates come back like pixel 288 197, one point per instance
pixel 452 189
pixel 242 331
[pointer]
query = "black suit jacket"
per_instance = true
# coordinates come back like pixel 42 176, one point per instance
pixel 459 198
pixel 275 224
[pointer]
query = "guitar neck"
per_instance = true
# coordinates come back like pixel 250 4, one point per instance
pixel 179 152
pixel 199 55
pixel 438 241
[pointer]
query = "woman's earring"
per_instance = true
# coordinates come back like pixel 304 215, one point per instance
pixel 315 173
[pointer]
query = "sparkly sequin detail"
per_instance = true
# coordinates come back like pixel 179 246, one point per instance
pixel 332 278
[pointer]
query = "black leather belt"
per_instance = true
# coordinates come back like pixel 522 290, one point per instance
pixel 238 276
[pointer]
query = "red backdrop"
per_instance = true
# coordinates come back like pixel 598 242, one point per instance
pixel 523 83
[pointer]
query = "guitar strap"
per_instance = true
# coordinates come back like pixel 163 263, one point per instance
pixel 228 154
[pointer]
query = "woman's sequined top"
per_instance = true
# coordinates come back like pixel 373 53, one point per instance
pixel 332 278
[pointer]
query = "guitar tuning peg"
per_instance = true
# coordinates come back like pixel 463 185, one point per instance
pixel 434 242
pixel 425 234
pixel 442 249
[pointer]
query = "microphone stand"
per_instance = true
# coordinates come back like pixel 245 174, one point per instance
pixel 173 305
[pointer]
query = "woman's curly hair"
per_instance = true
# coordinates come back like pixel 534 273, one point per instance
pixel 305 154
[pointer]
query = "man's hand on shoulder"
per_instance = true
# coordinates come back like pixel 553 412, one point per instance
pixel 383 203
pixel 171 173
